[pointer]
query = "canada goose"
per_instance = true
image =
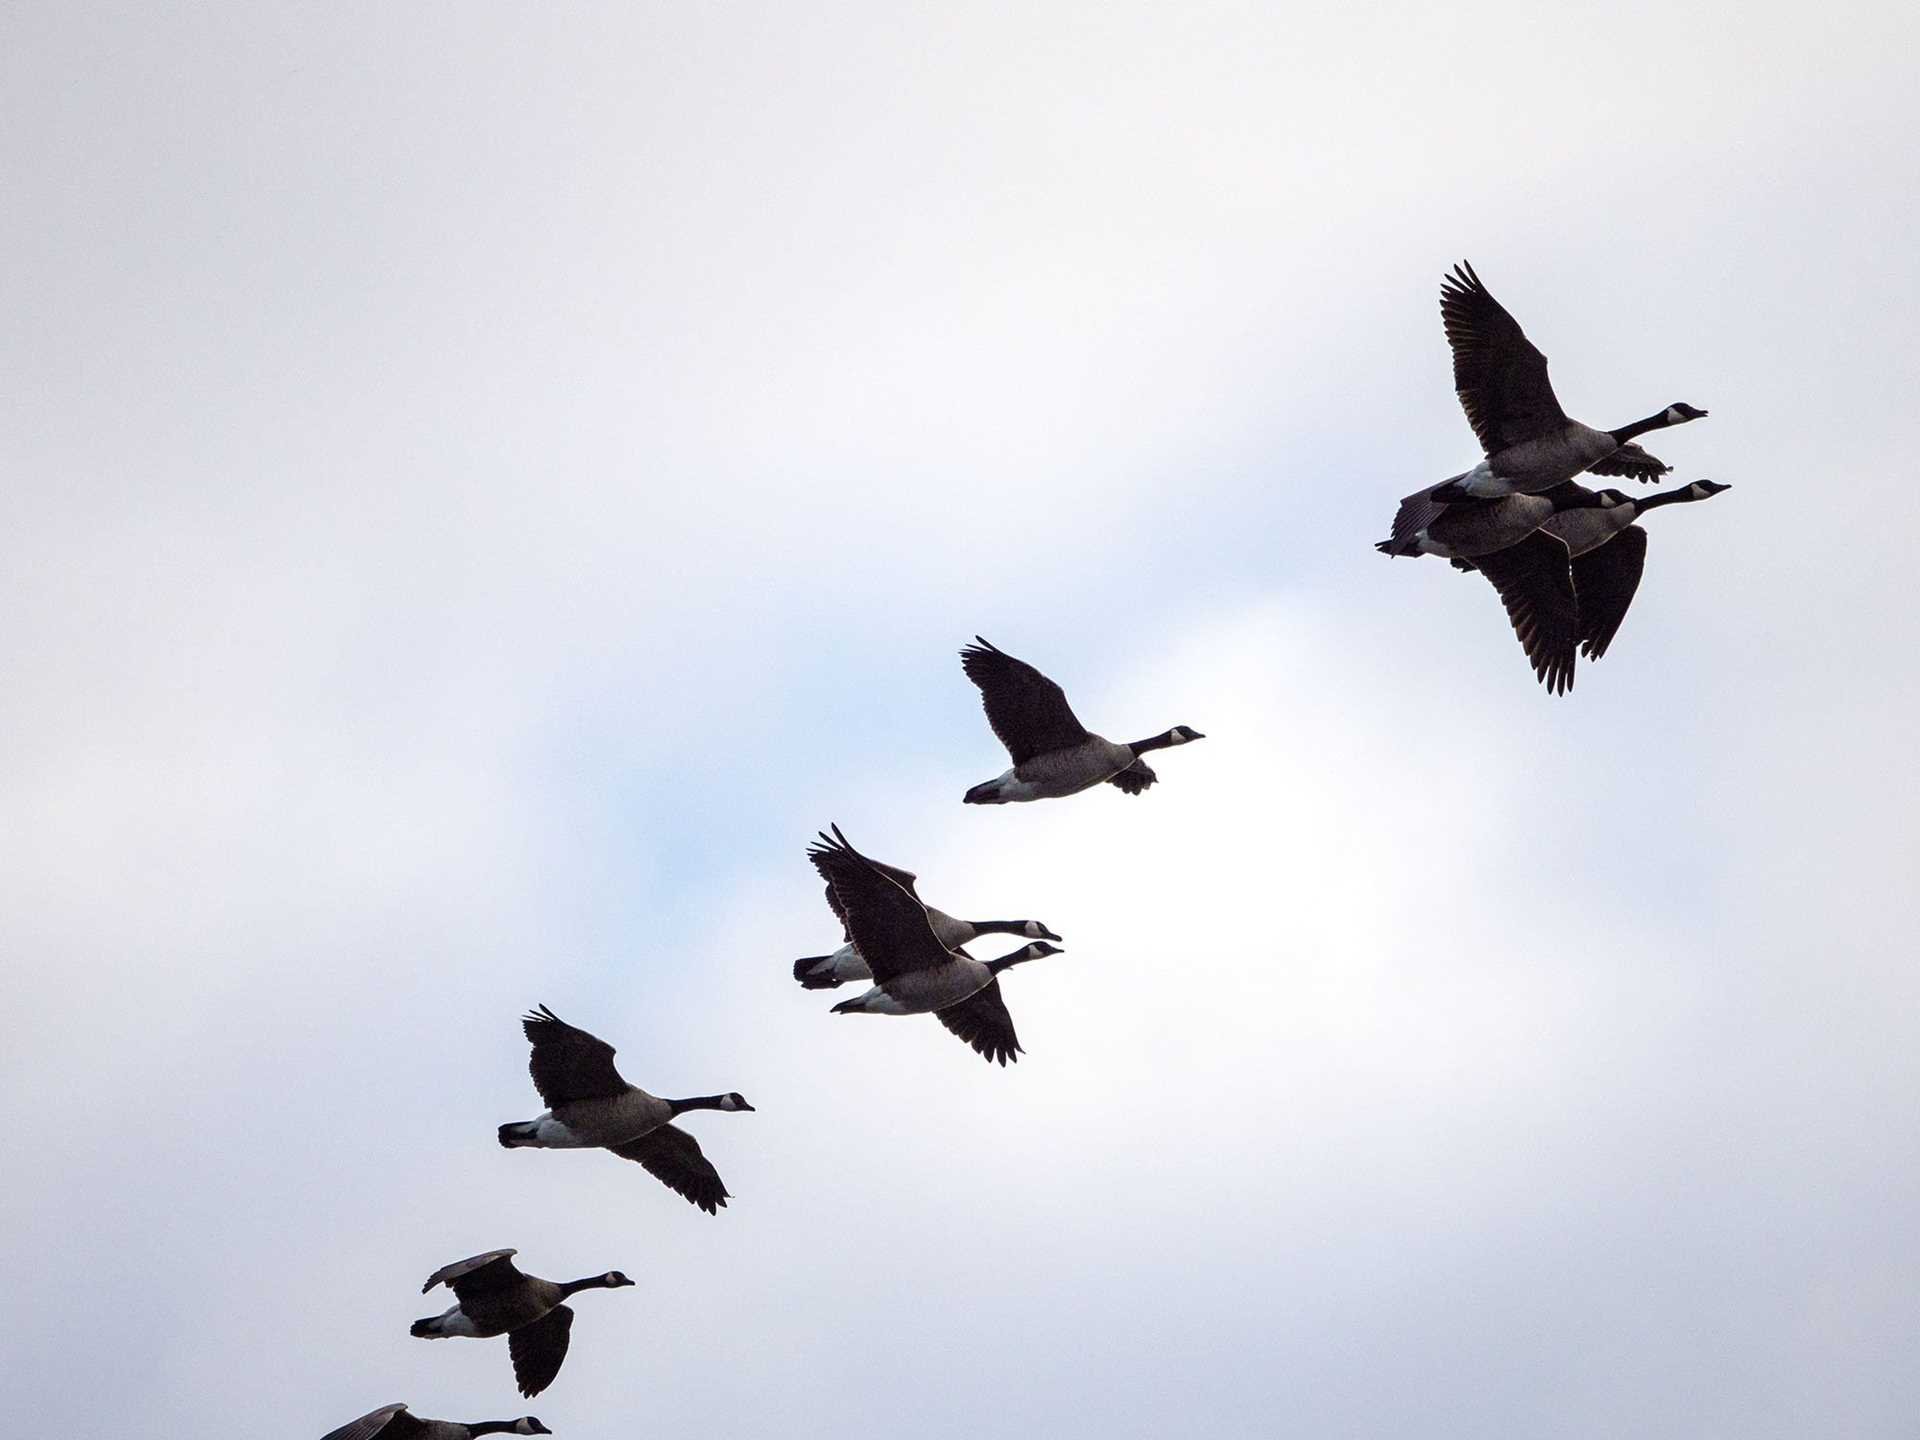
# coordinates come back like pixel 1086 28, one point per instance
pixel 914 973
pixel 392 1422
pixel 1480 527
pixel 1576 587
pixel 1529 441
pixel 495 1298
pixel 590 1107
pixel 825 972
pixel 1053 753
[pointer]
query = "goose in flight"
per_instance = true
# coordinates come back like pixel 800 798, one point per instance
pixel 494 1297
pixel 392 1422
pixel 1053 753
pixel 590 1106
pixel 1529 442
pixel 1479 527
pixel 914 974
pixel 1573 581
pixel 825 972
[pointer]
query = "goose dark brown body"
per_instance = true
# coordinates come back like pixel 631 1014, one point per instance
pixel 592 1106
pixel 1570 584
pixel 497 1298
pixel 1053 754
pixel 393 1422
pixel 1529 442
pixel 914 973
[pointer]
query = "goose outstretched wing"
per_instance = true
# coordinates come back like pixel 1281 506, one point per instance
pixel 539 1349
pixel 1605 579
pixel 983 1022
pixel 1028 712
pixel 882 917
pixel 1135 778
pixel 480 1275
pixel 1499 375
pixel 904 878
pixel 386 1422
pixel 1632 463
pixel 673 1157
pixel 1535 583
pixel 567 1063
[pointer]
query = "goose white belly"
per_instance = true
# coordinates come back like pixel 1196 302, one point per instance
pixel 1468 531
pixel 455 1323
pixel 1068 772
pixel 920 992
pixel 583 1124
pixel 1536 465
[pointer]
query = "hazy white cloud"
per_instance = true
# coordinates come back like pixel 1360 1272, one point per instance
pixel 491 484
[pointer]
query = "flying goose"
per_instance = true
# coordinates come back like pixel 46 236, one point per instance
pixel 495 1298
pixel 914 973
pixel 1529 442
pixel 1480 527
pixel 392 1422
pixel 825 972
pixel 590 1106
pixel 1583 576
pixel 1053 753
pixel 1513 547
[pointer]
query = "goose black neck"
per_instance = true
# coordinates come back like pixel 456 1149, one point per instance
pixel 1006 962
pixel 1656 421
pixel 1569 496
pixel 697 1102
pixel 1667 497
pixel 1000 927
pixel 1154 742
pixel 592 1282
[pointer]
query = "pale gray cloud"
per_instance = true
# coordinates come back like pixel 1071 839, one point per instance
pixel 490 483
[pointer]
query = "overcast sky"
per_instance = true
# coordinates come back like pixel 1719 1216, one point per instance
pixel 486 482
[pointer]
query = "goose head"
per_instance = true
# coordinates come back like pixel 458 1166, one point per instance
pixel 733 1100
pixel 1698 490
pixel 1181 734
pixel 613 1280
pixel 527 1425
pixel 1025 953
pixel 1680 412
pixel 1034 930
